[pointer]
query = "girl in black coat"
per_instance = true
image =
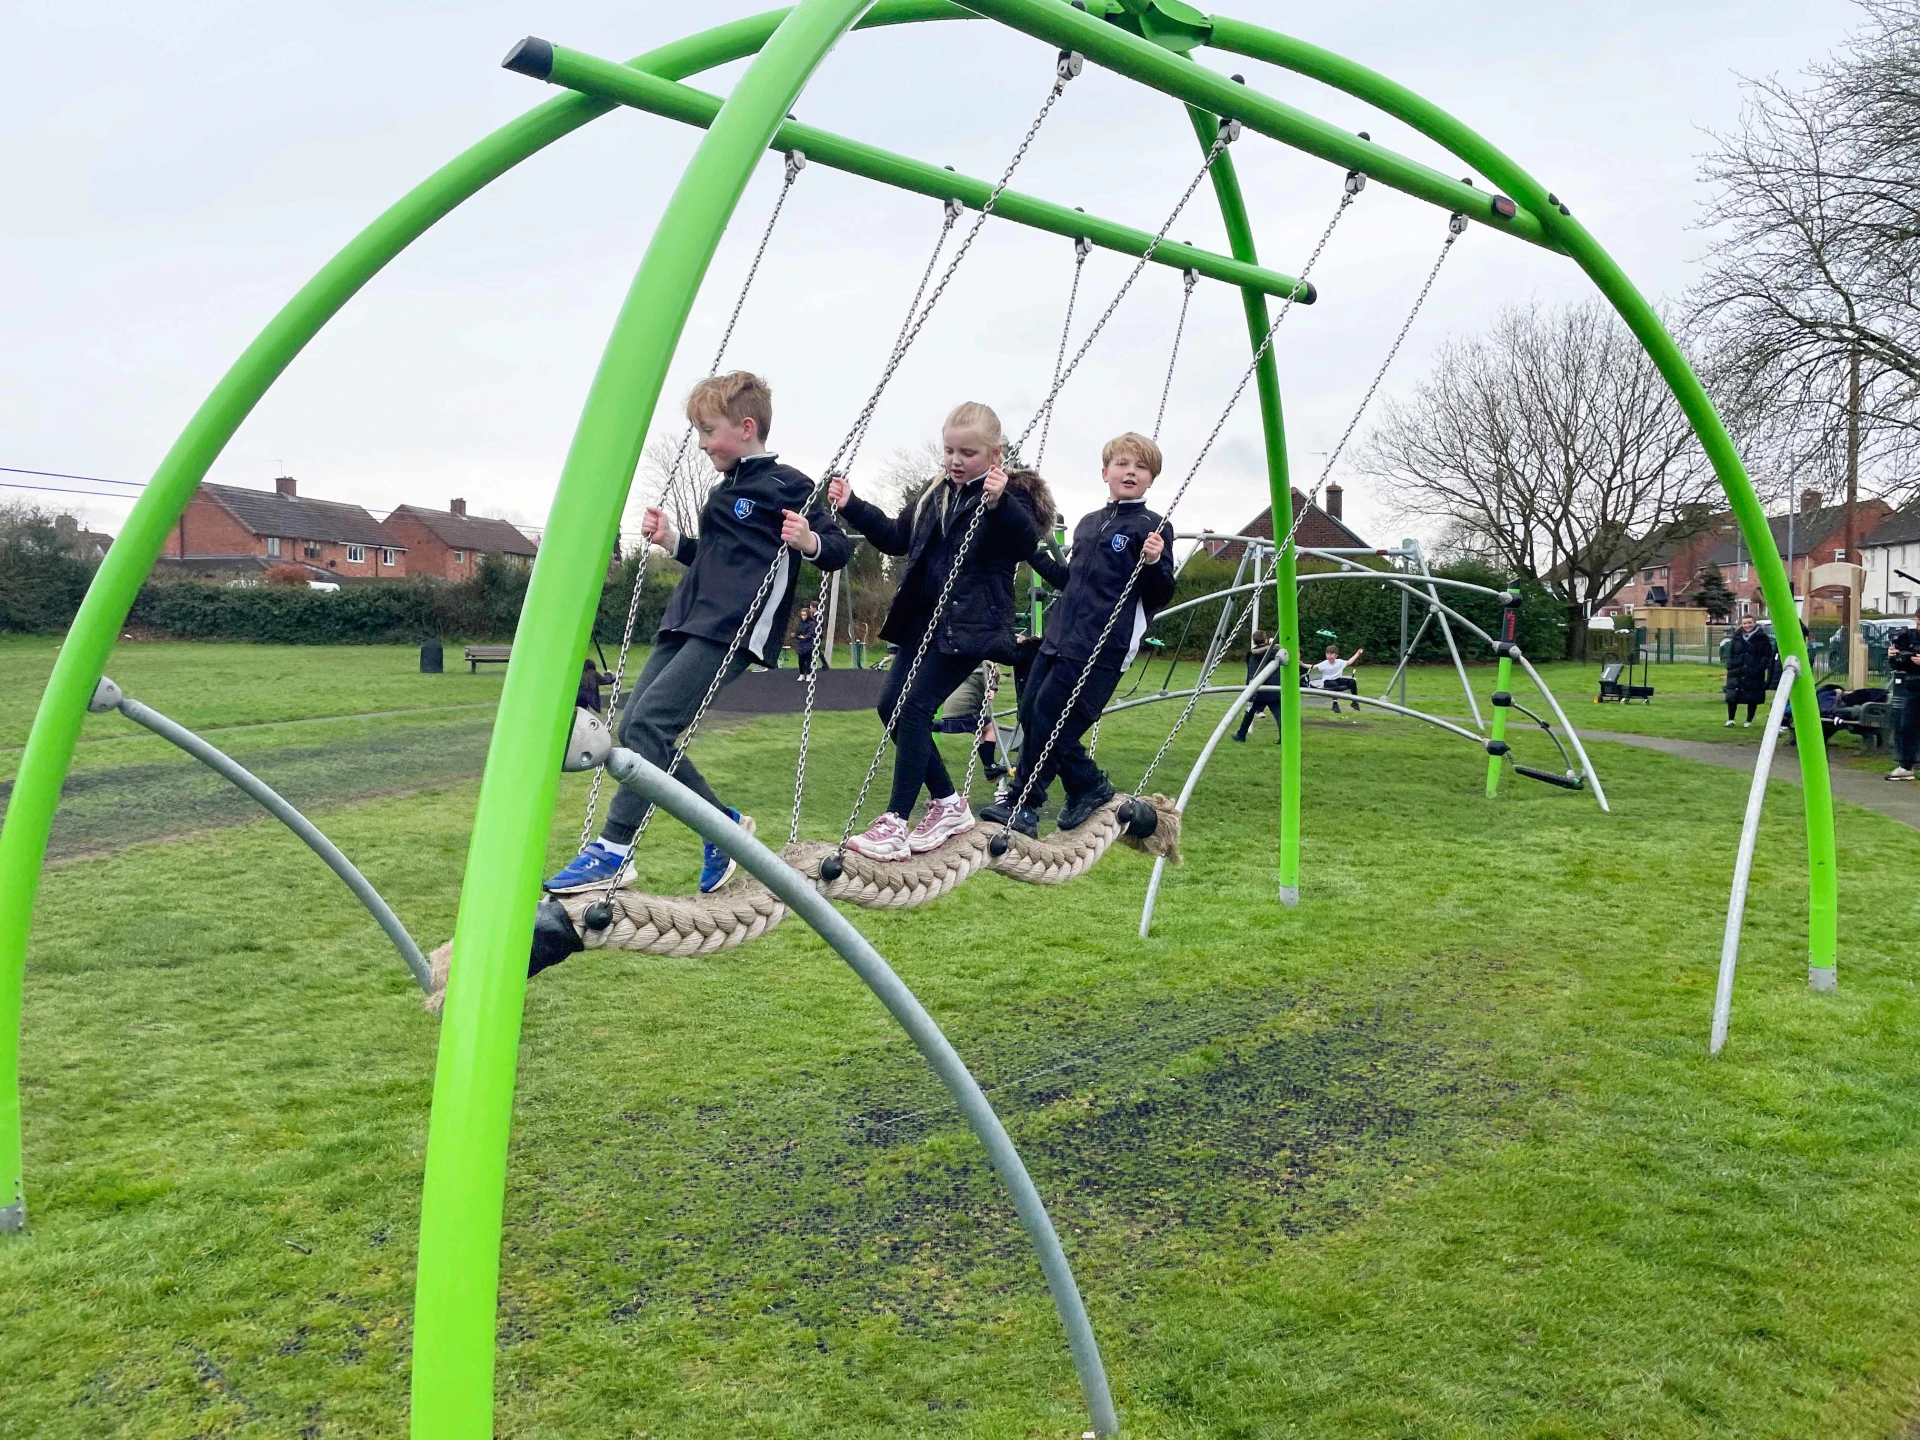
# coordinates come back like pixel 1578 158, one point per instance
pixel 976 623
pixel 1750 658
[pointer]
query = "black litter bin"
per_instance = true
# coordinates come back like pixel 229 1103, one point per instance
pixel 432 658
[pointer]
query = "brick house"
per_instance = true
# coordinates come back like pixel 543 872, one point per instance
pixel 1812 535
pixel 230 533
pixel 1319 530
pixel 449 543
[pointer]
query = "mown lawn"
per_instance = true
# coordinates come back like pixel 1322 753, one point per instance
pixel 1438 1154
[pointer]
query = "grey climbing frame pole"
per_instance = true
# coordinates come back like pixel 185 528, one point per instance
pixel 714 826
pixel 108 696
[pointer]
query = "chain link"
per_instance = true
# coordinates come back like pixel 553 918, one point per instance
pixel 796 162
pixel 1179 329
pixel 1060 379
pixel 1082 248
pixel 1140 565
pixel 1456 227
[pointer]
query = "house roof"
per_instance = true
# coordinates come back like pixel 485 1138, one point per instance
pixel 1902 527
pixel 1810 528
pixel 468 532
pixel 266 512
pixel 1317 531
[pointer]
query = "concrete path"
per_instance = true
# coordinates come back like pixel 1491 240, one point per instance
pixel 1862 787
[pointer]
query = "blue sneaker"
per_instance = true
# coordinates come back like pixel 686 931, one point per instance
pixel 717 867
pixel 594 867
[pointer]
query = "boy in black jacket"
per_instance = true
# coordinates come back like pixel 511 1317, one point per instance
pixel 976 624
pixel 758 515
pixel 1108 547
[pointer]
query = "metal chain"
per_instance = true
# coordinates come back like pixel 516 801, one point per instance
pixel 1186 299
pixel 980 728
pixel 1193 701
pixel 796 162
pixel 1225 137
pixel 953 211
pixel 1066 67
pixel 1139 566
pixel 1456 227
pixel 1082 248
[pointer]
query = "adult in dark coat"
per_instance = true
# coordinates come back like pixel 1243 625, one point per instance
pixel 1750 660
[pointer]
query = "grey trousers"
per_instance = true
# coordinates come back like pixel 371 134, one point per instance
pixel 671 686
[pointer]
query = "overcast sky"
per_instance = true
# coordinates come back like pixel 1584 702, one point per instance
pixel 186 168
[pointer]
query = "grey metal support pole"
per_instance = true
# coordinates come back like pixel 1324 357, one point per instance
pixel 1405 653
pixel 107 696
pixel 646 779
pixel 1573 735
pixel 1743 863
pixel 1193 779
pixel 1453 648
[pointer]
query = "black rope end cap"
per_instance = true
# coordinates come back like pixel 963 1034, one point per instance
pixel 1502 699
pixel 1140 818
pixel 832 868
pixel 1498 747
pixel 554 937
pixel 532 56
pixel 997 846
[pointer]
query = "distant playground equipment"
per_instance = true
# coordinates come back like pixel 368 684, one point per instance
pixel 1148 41
pixel 1417 585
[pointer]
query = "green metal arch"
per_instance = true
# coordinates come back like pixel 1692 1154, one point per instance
pixel 462 1203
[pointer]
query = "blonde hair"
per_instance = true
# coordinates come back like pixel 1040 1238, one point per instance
pixel 970 417
pixel 1138 446
pixel 738 395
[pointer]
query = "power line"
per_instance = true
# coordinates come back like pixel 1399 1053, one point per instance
pixel 62 475
pixel 60 489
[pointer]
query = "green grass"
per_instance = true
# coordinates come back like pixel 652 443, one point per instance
pixel 1438 1154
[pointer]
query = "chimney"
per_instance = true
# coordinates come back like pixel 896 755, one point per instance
pixel 458 507
pixel 1335 499
pixel 1811 500
pixel 284 485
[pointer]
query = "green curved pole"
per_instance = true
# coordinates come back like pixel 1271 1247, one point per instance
pixel 83 656
pixel 464 1191
pixel 1565 233
pixel 1273 430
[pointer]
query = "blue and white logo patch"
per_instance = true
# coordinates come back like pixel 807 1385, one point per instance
pixel 1119 543
pixel 742 508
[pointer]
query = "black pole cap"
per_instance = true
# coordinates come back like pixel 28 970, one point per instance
pixel 532 56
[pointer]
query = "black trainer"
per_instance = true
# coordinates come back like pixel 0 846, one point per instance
pixel 1079 808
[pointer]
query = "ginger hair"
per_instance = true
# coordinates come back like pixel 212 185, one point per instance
pixel 738 395
pixel 1136 445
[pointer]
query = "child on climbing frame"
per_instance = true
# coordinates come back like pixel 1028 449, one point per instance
pixel 1108 549
pixel 975 624
pixel 761 514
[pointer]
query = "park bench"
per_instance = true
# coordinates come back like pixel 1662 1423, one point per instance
pixel 478 655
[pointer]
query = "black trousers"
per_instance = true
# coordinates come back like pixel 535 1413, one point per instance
pixel 1042 703
pixel 671 686
pixel 1267 697
pixel 1906 725
pixel 916 759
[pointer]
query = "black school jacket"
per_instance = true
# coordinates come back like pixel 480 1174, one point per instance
pixel 1100 562
pixel 739 537
pixel 978 619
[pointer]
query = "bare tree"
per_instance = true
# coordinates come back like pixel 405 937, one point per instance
pixel 674 475
pixel 1550 447
pixel 1808 298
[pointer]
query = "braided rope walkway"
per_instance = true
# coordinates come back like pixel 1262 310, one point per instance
pixel 744 909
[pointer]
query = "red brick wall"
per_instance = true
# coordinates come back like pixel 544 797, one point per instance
pixel 208 529
pixel 426 554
